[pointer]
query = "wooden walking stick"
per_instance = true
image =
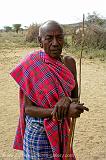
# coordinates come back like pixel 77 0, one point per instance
pixel 73 120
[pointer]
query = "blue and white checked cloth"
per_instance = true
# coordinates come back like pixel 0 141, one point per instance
pixel 36 145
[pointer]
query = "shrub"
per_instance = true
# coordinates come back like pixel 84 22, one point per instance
pixel 32 33
pixel 95 37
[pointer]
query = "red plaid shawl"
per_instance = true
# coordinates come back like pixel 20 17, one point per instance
pixel 44 80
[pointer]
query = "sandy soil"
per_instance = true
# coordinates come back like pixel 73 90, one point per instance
pixel 90 132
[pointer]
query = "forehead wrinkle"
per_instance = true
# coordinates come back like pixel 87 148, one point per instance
pixel 49 26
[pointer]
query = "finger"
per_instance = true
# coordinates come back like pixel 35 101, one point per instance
pixel 62 113
pixel 80 107
pixel 56 118
pixel 79 111
pixel 66 110
pixel 54 112
pixel 85 108
pixel 59 110
pixel 65 113
pixel 77 115
pixel 81 104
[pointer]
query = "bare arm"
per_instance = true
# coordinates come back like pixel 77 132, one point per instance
pixel 71 65
pixel 32 110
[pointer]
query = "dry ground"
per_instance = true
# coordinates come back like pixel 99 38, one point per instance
pixel 90 133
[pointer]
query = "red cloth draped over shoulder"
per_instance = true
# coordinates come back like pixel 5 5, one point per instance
pixel 44 80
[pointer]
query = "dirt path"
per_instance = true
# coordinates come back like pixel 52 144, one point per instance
pixel 90 139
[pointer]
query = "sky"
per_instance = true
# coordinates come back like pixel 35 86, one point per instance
pixel 26 12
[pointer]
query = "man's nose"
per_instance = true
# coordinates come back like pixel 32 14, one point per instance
pixel 54 42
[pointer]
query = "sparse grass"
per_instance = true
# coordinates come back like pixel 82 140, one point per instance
pixel 13 40
pixel 87 53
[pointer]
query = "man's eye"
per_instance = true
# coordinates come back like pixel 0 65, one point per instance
pixel 48 38
pixel 60 37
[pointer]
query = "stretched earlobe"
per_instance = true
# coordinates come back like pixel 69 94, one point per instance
pixel 41 45
pixel 40 41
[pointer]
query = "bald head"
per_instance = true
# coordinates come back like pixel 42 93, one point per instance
pixel 48 26
pixel 51 38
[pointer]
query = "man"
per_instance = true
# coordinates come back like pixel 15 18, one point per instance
pixel 47 84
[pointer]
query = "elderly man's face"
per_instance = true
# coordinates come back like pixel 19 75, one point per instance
pixel 52 40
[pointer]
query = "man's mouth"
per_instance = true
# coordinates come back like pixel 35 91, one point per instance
pixel 55 50
pixel 55 53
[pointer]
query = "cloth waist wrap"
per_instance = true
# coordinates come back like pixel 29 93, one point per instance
pixel 44 80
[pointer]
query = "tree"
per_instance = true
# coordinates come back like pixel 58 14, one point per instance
pixel 95 18
pixel 17 27
pixel 7 28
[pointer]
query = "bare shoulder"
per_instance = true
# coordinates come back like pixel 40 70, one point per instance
pixel 70 60
pixel 70 63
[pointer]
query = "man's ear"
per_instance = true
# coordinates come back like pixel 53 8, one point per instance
pixel 40 41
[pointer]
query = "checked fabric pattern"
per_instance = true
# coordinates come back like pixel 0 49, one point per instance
pixel 36 145
pixel 44 80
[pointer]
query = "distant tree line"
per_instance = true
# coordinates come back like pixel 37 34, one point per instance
pixel 95 32
pixel 15 27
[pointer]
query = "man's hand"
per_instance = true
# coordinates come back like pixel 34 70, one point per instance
pixel 61 108
pixel 76 109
